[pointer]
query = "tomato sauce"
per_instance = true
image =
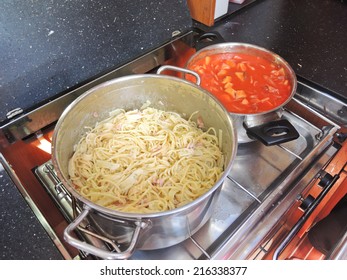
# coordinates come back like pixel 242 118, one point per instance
pixel 243 83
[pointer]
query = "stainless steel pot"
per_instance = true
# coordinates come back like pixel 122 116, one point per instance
pixel 140 231
pixel 267 127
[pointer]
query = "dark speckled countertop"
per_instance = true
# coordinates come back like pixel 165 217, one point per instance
pixel 49 47
pixel 22 237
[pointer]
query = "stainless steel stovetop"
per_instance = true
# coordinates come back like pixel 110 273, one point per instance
pixel 263 183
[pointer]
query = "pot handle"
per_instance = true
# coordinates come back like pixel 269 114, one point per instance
pixel 274 132
pixel 104 254
pixel 179 69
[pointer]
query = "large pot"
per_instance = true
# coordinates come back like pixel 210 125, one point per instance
pixel 268 126
pixel 131 230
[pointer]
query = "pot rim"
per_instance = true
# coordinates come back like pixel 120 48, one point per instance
pixel 276 57
pixel 129 215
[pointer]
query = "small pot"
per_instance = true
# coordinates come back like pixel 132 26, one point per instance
pixel 131 230
pixel 268 127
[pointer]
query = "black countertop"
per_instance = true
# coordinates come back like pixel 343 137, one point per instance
pixel 309 34
pixel 22 237
pixel 49 47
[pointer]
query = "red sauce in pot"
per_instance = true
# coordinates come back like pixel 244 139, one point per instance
pixel 243 83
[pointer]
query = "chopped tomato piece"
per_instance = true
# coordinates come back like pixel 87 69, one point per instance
pixel 240 75
pixel 226 80
pixel 242 66
pixel 207 60
pixel 225 66
pixel 245 102
pixel 231 91
pixel 240 94
pixel 222 72
pixel 231 63
pixel 228 85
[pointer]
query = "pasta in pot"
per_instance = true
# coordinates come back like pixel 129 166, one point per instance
pixel 146 161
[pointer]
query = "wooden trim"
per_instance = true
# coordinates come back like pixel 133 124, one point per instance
pixel 202 10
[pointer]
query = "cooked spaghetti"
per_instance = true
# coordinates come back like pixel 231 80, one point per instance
pixel 146 161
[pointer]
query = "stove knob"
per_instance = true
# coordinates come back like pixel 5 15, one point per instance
pixel 341 136
pixel 306 203
pixel 326 180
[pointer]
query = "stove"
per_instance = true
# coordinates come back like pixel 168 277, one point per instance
pixel 265 203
